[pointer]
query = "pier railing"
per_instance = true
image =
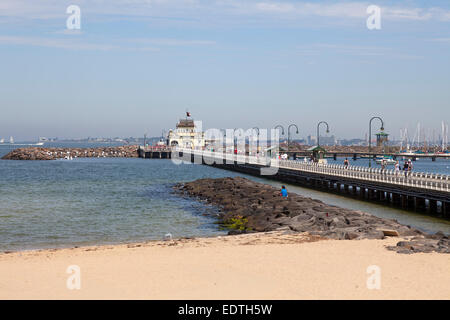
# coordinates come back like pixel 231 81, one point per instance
pixel 422 180
pixel 430 181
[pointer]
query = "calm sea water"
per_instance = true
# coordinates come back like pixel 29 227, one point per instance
pixel 50 204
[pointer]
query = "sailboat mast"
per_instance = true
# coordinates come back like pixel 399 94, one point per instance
pixel 446 137
pixel 401 139
pixel 443 136
pixel 418 135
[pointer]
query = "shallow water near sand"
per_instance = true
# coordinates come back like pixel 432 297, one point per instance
pixel 53 204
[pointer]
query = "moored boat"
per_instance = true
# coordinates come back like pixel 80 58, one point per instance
pixel 387 160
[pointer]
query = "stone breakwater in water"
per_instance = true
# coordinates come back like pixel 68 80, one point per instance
pixel 39 153
pixel 256 207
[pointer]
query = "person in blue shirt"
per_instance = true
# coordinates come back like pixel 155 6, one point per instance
pixel 284 192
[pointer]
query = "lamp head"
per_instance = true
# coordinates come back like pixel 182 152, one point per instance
pixel 382 128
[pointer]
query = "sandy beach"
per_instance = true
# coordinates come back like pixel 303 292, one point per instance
pixel 270 265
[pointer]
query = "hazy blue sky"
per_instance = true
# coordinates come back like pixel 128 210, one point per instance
pixel 137 65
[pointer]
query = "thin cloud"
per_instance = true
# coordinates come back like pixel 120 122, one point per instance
pixel 142 44
pixel 217 9
pixel 173 42
pixel 342 10
pixel 69 44
pixel 321 48
pixel 53 43
pixel 318 49
pixel 443 40
pixel 68 32
pixel 350 9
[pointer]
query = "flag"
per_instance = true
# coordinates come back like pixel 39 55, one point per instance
pixel 188 114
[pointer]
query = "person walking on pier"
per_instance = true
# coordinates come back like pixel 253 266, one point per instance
pixel 410 167
pixel 383 165
pixel 397 168
pixel 283 192
pixel 406 168
pixel 346 163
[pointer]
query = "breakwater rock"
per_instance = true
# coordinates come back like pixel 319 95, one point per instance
pixel 248 206
pixel 40 153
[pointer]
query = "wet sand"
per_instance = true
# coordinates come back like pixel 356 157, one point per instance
pixel 272 265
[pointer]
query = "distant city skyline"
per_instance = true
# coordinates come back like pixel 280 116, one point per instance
pixel 308 140
pixel 135 69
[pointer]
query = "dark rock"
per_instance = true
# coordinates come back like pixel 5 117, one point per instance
pixel 350 235
pixel 235 232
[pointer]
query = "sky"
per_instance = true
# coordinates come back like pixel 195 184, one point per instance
pixel 136 66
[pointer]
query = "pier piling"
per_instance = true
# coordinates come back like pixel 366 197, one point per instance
pixel 420 204
pixel 446 209
pixel 433 206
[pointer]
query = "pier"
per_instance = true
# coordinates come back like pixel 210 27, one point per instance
pixel 163 152
pixel 373 155
pixel 155 152
pixel 416 191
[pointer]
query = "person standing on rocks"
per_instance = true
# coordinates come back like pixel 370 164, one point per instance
pixel 283 192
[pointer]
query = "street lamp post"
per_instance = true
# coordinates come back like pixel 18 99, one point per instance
pixel 318 133
pixel 236 139
pixel 257 139
pixel 289 133
pixel 224 140
pixel 370 136
pixel 282 129
pixel 282 133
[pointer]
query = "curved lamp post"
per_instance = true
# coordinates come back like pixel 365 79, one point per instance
pixel 318 133
pixel 235 137
pixel 282 133
pixel 224 140
pixel 370 136
pixel 282 129
pixel 289 133
pixel 257 139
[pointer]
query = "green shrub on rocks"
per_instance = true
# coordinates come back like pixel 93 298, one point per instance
pixel 237 223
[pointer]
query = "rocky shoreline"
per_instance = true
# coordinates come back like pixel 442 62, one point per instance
pixel 40 153
pixel 246 206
